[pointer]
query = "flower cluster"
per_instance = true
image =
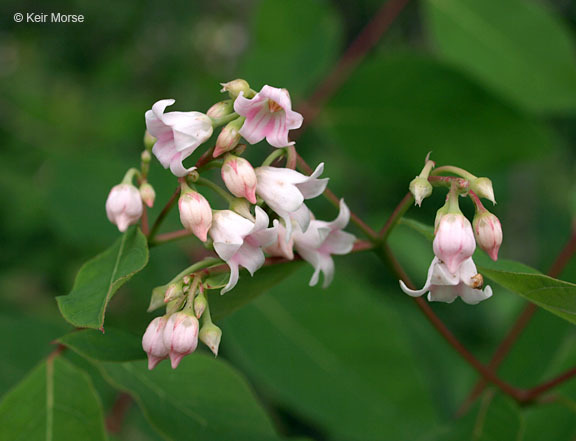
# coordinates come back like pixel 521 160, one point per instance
pixel 453 273
pixel 266 212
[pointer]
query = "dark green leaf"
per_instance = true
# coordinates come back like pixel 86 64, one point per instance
pixel 554 295
pixel 249 288
pixel 54 402
pixel 302 36
pixel 113 345
pixel 516 47
pixel 338 358
pixel 101 277
pixel 395 110
pixel 203 400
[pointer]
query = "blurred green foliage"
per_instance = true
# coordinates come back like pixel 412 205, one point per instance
pixel 484 84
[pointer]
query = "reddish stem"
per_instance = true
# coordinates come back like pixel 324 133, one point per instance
pixel 115 419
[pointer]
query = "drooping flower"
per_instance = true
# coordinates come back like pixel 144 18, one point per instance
pixel 281 247
pixel 443 285
pixel 239 177
pixel 268 115
pixel 323 239
pixel 239 241
pixel 177 134
pixel 181 336
pixel 124 206
pixel 488 233
pixel 153 342
pixel 195 213
pixel 284 191
pixel 454 241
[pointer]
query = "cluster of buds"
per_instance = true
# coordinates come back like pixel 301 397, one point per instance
pixel 176 334
pixel 453 273
pixel 266 214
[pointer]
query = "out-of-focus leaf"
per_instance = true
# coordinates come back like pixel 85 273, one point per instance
pixel 204 399
pixel 395 110
pixel 56 401
pixel 249 288
pixel 554 295
pixel 293 44
pixel 516 47
pixel 496 417
pixel 101 277
pixel 114 345
pixel 27 340
pixel 337 358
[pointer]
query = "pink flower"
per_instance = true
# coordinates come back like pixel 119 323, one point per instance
pixel 239 241
pixel 124 206
pixel 284 191
pixel 180 336
pixel 323 239
pixel 488 232
pixel 443 285
pixel 153 342
pixel 268 115
pixel 240 178
pixel 454 241
pixel 195 214
pixel 177 135
pixel 281 247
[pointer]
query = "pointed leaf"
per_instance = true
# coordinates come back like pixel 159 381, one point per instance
pixel 56 401
pixel 100 278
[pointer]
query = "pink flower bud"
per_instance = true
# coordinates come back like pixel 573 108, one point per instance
pixel 124 206
pixel 240 178
pixel 454 241
pixel 210 334
pixel 180 336
pixel 195 214
pixel 153 342
pixel 147 194
pixel 488 232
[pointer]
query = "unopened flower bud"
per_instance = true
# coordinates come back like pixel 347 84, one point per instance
pixel 420 189
pixel 488 233
pixel 221 109
pixel 153 342
pixel 483 188
pixel 454 241
pixel 180 336
pixel 195 214
pixel 146 156
pixel 149 141
pixel 234 87
pixel 200 304
pixel 242 207
pixel 210 335
pixel 228 137
pixel 173 291
pixel 240 178
pixel 124 206
pixel 147 194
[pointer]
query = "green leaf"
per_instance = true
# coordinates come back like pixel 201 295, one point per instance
pixel 56 401
pixel 516 47
pixel 249 288
pixel 101 277
pixel 203 400
pixel 416 104
pixel 289 38
pixel 335 357
pixel 114 345
pixel 496 417
pixel 554 295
